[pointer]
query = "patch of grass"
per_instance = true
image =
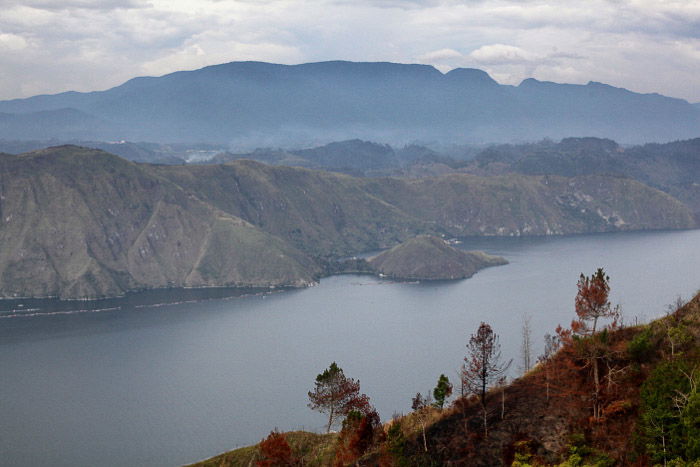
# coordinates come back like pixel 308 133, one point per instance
pixel 311 448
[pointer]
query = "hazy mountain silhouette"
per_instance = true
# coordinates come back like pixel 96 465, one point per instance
pixel 281 104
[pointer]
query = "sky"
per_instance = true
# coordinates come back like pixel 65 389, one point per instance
pixel 50 46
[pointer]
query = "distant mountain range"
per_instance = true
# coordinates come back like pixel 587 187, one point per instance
pixel 671 167
pixel 269 104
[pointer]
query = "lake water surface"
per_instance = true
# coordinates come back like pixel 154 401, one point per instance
pixel 172 384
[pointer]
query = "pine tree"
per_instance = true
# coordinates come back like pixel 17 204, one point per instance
pixel 442 391
pixel 482 365
pixel 337 395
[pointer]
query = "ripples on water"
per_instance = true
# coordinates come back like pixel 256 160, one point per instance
pixel 139 384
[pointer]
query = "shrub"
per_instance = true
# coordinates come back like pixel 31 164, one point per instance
pixel 641 348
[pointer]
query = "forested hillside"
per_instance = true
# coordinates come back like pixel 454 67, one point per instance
pixel 671 167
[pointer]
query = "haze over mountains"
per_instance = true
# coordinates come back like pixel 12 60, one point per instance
pixel 77 222
pixel 262 103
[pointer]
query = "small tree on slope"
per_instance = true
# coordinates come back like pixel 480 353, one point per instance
pixel 337 395
pixel 482 365
pixel 591 304
pixel 442 391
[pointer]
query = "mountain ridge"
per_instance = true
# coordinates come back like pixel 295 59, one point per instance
pixel 83 223
pixel 68 234
pixel 248 101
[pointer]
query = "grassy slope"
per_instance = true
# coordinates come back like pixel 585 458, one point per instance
pixel 322 213
pixel 314 449
pixel 532 205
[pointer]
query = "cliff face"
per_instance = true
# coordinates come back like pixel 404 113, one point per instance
pixel 429 258
pixel 78 223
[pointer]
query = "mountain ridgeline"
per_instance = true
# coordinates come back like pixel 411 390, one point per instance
pixel 263 103
pixel 671 167
pixel 78 223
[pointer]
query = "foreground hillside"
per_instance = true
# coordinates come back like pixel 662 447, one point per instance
pixel 549 416
pixel 77 223
pixel 646 411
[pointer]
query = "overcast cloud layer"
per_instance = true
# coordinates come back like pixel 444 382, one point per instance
pixel 49 46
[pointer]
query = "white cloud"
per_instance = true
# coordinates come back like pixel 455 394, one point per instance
pixel 102 5
pixel 501 54
pixel 441 56
pixel 205 52
pixel 644 45
pixel 12 42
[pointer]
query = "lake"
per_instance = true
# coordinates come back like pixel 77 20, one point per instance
pixel 173 384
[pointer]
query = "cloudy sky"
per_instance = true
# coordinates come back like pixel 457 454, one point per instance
pixel 48 46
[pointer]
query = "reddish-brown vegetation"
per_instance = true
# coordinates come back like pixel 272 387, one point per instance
pixel 275 451
pixel 558 409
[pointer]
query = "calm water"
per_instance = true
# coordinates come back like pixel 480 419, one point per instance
pixel 168 385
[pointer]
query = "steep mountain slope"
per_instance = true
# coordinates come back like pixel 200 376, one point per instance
pixel 323 214
pixel 76 222
pixel 82 223
pixel 328 214
pixel 281 104
pixel 465 205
